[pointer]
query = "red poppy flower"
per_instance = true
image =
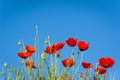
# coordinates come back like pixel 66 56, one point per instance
pixel 87 65
pixel 68 62
pixel 100 70
pixel 24 54
pixel 71 42
pixel 30 49
pixel 106 62
pixel 30 64
pixel 50 50
pixel 58 46
pixel 82 45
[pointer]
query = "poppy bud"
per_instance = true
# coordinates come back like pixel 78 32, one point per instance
pixel 43 56
pixel 5 64
pixel 36 27
pixel 19 43
pixel 48 37
pixel 2 72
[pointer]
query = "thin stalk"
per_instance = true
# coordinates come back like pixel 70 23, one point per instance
pixel 23 46
pixel 73 56
pixel 77 69
pixel 114 76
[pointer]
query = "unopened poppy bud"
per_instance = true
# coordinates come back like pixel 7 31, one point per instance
pixel 46 41
pixel 23 61
pixel 2 72
pixel 58 56
pixel 36 27
pixel 19 43
pixel 48 37
pixel 5 64
pixel 43 56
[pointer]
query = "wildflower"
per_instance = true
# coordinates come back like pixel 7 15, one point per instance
pixel 5 64
pixel 30 49
pixel 30 64
pixel 87 65
pixel 106 62
pixel 71 42
pixel 82 46
pixel 100 70
pixel 24 54
pixel 50 50
pixel 69 62
pixel 58 46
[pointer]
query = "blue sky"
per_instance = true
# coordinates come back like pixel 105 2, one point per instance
pixel 94 21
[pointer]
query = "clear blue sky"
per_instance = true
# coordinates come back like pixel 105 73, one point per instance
pixel 95 21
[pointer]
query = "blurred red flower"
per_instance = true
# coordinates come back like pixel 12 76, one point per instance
pixel 71 42
pixel 82 46
pixel 30 64
pixel 58 46
pixel 24 54
pixel 69 62
pixel 106 62
pixel 100 70
pixel 50 50
pixel 87 65
pixel 30 49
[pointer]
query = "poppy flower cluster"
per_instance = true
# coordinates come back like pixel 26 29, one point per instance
pixel 29 50
pixel 72 42
pixel 47 67
pixel 104 63
pixel 82 45
pixel 54 48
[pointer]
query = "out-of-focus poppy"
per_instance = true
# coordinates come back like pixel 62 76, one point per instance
pixel 69 62
pixel 58 46
pixel 30 49
pixel 87 65
pixel 30 64
pixel 82 46
pixel 24 54
pixel 100 70
pixel 50 50
pixel 71 42
pixel 106 62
